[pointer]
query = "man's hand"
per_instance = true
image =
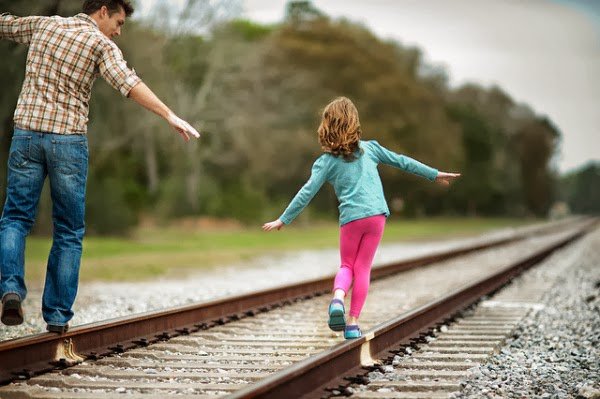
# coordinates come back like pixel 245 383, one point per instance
pixel 445 178
pixel 141 94
pixel 276 224
pixel 182 127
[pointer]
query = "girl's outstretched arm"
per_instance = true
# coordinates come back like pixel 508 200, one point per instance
pixel 403 162
pixel 307 192
pixel 411 165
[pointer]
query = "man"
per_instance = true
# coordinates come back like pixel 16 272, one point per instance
pixel 65 57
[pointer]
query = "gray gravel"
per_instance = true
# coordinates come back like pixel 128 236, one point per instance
pixel 555 352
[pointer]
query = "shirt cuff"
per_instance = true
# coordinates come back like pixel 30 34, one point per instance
pixel 130 82
pixel 432 174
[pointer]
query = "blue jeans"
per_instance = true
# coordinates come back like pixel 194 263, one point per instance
pixel 64 159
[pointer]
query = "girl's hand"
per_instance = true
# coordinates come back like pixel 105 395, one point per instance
pixel 445 178
pixel 276 224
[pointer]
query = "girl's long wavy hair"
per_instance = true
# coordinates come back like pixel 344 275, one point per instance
pixel 339 132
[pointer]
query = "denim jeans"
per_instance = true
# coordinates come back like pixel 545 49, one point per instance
pixel 64 160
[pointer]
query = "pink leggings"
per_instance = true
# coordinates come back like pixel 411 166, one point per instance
pixel 359 240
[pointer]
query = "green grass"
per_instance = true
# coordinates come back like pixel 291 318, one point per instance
pixel 170 252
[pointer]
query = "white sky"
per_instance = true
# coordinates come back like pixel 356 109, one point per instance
pixel 541 52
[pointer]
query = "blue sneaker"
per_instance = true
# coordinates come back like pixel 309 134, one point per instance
pixel 337 319
pixel 352 332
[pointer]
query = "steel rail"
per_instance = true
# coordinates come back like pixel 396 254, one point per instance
pixel 310 377
pixel 26 357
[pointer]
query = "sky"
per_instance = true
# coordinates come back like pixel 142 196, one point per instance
pixel 545 53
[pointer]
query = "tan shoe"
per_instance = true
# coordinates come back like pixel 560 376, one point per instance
pixel 12 313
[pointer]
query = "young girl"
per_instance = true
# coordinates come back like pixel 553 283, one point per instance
pixel 350 166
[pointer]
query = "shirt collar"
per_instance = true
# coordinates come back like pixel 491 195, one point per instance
pixel 86 18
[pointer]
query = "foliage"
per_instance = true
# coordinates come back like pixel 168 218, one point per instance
pixel 581 189
pixel 524 146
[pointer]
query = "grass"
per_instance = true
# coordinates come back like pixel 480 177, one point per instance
pixel 176 251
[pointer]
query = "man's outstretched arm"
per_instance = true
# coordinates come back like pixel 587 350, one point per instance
pixel 142 95
pixel 18 29
pixel 114 70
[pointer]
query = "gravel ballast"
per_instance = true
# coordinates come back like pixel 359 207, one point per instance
pixel 555 351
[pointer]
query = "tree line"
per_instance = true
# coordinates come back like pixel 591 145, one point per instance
pixel 256 92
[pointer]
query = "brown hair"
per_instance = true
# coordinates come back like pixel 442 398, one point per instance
pixel 91 6
pixel 339 132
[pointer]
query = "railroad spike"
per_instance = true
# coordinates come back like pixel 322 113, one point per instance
pixel 347 391
pixel 61 363
pixel 117 349
pixel 415 346
pixel 163 337
pixel 141 342
pixel 24 374
pixel 359 379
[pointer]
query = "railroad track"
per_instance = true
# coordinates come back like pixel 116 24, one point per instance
pixel 269 344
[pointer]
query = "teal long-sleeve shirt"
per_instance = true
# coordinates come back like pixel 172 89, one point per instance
pixel 357 183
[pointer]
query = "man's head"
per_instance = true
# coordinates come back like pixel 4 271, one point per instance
pixel 109 14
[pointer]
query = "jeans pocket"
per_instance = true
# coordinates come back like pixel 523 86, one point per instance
pixel 70 157
pixel 18 156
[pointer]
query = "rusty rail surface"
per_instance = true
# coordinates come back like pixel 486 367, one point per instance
pixel 309 378
pixel 25 357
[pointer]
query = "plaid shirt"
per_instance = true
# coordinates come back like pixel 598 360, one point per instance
pixel 65 57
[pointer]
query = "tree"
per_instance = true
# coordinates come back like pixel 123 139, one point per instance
pixel 524 145
pixel 581 189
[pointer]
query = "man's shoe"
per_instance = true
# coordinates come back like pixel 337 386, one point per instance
pixel 53 328
pixel 12 313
